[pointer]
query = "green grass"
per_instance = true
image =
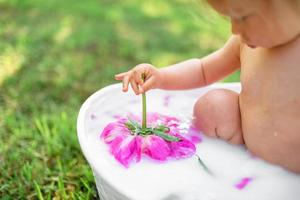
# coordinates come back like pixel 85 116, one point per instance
pixel 54 54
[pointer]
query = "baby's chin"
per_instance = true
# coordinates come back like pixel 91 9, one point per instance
pixel 251 46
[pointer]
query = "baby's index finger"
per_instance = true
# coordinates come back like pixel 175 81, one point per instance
pixel 120 76
pixel 125 83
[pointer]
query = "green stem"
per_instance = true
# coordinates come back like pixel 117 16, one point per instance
pixel 144 122
pixel 203 165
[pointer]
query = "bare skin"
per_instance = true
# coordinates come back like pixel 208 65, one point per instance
pixel 266 114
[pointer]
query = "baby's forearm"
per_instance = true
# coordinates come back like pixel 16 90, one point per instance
pixel 196 72
pixel 184 75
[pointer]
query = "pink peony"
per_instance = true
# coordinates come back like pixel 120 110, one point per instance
pixel 168 141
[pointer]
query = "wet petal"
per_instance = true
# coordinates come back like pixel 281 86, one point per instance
pixel 182 149
pixel 125 151
pixel 134 117
pixel 243 183
pixel 115 144
pixel 112 130
pixel 170 121
pixel 167 100
pixel 153 117
pixel 194 135
pixel 138 142
pixel 156 147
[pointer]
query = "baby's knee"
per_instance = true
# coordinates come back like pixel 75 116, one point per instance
pixel 216 105
pixel 217 114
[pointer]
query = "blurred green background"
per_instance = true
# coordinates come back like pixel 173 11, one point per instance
pixel 55 53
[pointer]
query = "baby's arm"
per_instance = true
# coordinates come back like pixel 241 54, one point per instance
pixel 200 72
pixel 189 74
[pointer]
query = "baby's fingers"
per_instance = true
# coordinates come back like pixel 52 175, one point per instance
pixel 120 76
pixel 125 78
pixel 138 77
pixel 147 85
pixel 134 86
pixel 125 83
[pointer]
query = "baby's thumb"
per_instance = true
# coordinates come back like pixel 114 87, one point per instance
pixel 147 85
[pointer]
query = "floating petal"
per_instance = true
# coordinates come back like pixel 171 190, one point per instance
pixel 125 151
pixel 182 149
pixel 156 147
pixel 243 183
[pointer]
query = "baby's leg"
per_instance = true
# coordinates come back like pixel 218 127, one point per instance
pixel 217 114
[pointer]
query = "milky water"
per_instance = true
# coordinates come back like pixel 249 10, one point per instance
pixel 181 179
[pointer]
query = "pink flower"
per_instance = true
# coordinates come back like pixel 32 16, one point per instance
pixel 127 146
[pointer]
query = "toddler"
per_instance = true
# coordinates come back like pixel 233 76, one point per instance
pixel 265 46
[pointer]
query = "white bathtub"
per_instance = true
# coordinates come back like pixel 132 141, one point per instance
pixel 182 179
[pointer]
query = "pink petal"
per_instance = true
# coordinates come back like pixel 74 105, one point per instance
pixel 193 135
pixel 153 117
pixel 115 144
pixel 171 121
pixel 125 151
pixel 182 149
pixel 112 130
pixel 117 116
pixel 167 100
pixel 156 147
pixel 243 183
pixel 121 144
pixel 138 141
pixel 134 117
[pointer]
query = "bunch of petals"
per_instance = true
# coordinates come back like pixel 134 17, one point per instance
pixel 127 142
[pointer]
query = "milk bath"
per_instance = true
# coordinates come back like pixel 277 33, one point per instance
pixel 183 179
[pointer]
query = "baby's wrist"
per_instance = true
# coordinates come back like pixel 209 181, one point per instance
pixel 161 77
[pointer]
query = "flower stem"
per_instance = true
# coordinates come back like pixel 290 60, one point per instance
pixel 144 124
pixel 144 103
pixel 203 165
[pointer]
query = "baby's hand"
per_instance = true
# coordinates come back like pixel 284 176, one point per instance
pixel 153 78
